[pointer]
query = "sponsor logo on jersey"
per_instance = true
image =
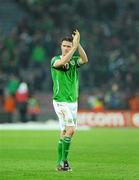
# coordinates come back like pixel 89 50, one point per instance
pixel 72 63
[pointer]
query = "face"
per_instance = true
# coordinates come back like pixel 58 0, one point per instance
pixel 66 47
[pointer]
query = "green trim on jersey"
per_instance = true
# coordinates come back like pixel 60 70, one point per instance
pixel 65 80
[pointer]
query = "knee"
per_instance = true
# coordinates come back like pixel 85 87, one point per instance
pixel 70 131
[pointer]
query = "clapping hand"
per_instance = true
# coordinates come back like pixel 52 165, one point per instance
pixel 76 38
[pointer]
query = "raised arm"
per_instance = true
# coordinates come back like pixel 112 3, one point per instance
pixel 82 53
pixel 68 49
pixel 65 59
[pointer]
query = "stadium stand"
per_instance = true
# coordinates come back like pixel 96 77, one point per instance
pixel 30 30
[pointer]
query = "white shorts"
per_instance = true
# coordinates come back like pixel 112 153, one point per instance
pixel 67 113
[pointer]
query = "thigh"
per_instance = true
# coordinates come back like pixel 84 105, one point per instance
pixel 73 109
pixel 64 114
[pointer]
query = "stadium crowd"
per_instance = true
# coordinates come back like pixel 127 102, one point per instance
pixel 110 30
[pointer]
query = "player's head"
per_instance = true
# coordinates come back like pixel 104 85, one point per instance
pixel 66 44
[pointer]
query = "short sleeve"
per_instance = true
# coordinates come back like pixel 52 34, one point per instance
pixel 54 60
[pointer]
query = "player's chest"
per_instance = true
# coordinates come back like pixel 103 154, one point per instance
pixel 70 65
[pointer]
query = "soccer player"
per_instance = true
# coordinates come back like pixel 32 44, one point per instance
pixel 64 70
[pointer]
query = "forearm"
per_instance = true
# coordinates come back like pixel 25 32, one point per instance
pixel 65 59
pixel 82 54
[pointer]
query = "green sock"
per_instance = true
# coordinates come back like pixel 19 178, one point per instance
pixel 59 151
pixel 65 147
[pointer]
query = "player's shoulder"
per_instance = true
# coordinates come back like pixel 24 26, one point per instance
pixel 55 58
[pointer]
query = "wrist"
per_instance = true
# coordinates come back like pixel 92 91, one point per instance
pixel 74 48
pixel 79 46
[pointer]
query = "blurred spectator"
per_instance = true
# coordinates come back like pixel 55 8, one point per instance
pixel 110 39
pixel 114 98
pixel 22 95
pixel 12 84
pixel 5 60
pixel 96 102
pixel 33 108
pixel 134 103
pixel 2 85
pixel 38 56
pixel 9 106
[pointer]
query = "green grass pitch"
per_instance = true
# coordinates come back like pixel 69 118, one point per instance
pixel 97 154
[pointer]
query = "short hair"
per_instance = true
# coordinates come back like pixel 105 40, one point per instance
pixel 67 38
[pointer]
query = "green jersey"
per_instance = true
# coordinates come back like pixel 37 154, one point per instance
pixel 65 80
